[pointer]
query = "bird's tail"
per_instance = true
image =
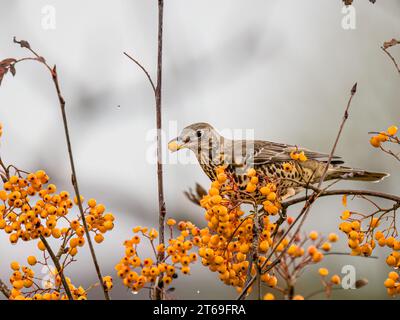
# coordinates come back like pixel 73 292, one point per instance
pixel 355 174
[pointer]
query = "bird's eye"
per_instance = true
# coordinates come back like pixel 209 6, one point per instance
pixel 199 133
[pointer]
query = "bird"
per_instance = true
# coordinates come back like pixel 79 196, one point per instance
pixel 272 161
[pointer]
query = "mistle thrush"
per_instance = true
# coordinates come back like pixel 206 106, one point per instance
pixel 272 161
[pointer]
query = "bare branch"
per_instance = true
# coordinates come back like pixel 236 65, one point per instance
pixel 158 94
pixel 144 70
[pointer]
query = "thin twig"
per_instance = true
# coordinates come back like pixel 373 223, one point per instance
pixel 76 187
pixel 310 201
pixel 53 72
pixel 348 254
pixel 158 292
pixel 321 291
pixel 144 70
pixel 385 47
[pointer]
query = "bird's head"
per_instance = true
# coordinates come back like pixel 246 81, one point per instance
pixel 196 137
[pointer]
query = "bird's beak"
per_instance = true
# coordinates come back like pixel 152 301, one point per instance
pixel 176 144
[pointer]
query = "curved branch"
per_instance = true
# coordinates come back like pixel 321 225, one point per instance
pixel 144 70
pixel 54 75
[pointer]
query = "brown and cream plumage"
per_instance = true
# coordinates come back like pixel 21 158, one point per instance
pixel 271 160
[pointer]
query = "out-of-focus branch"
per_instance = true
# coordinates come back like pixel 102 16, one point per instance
pixel 4 289
pixel 351 192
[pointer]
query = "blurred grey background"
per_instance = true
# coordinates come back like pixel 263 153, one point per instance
pixel 283 68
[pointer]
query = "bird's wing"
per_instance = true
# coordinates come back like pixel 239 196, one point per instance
pixel 261 152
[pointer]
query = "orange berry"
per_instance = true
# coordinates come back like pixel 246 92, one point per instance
pixel 391 261
pixel 41 246
pixel 333 237
pixel 99 238
pixel 92 203
pixel 392 130
pixel 389 283
pixel 32 260
pixel 269 296
pixel 335 279
pixel 323 272
pixel 326 246
pixel 393 275
pixel 265 191
pixel 251 187
pixel 14 266
pixel 345 215
pixel 375 142
pixel 313 235
pixel 251 172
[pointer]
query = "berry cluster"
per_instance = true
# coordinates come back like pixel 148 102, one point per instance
pixel 363 236
pixel 392 284
pixel 304 251
pixel 32 208
pixel 384 136
pixel 26 285
pixel 138 273
pixel 234 245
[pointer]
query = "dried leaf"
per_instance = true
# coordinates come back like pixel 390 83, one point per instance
pixel 7 62
pixel 3 71
pixel 12 70
pixel 354 89
pixel 22 43
pixel 348 2
pixel 390 43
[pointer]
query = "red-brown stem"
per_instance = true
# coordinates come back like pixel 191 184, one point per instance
pixel 75 184
pixel 157 89
pixel 53 72
pixel 158 95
